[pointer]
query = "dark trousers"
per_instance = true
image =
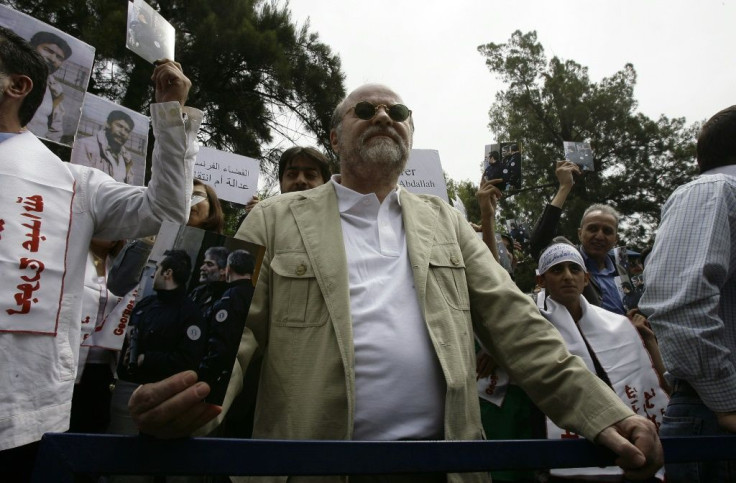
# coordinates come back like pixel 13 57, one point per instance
pixel 91 400
pixel 16 464
pixel 686 415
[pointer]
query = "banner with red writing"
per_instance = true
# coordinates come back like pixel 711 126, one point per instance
pixel 34 226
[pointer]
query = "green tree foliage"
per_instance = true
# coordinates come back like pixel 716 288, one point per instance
pixel 257 76
pixel 638 160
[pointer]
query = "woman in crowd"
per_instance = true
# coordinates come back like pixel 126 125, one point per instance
pixel 205 211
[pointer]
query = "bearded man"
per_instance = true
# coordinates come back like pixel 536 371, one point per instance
pixel 365 309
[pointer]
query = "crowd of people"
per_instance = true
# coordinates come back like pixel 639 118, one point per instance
pixel 376 313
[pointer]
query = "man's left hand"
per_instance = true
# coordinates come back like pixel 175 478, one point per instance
pixel 170 82
pixel 727 421
pixel 637 445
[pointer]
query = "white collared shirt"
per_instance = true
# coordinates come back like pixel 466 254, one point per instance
pixel 399 386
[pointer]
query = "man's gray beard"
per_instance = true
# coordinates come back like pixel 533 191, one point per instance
pixel 386 153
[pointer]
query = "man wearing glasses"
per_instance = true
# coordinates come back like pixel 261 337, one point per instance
pixel 367 316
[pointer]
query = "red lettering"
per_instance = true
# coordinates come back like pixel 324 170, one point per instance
pixel 653 418
pixel 34 237
pixel 32 203
pixel 36 265
pixel 24 298
pixel 647 397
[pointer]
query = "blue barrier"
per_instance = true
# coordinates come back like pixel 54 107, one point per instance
pixel 61 455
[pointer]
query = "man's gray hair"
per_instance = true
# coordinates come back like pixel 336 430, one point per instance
pixel 218 254
pixel 605 209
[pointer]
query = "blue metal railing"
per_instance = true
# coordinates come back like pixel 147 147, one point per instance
pixel 61 455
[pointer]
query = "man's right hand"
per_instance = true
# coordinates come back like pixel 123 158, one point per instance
pixel 565 171
pixel 488 195
pixel 172 408
pixel 169 82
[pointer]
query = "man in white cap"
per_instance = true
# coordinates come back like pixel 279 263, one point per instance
pixel 608 343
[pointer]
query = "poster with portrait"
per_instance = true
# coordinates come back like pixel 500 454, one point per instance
pixel 70 64
pixel 113 139
pixel 234 177
pixel 518 230
pixel 630 280
pixel 580 154
pixel 149 34
pixel 197 285
pixel 503 161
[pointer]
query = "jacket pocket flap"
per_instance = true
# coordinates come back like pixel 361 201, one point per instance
pixel 446 256
pixel 292 265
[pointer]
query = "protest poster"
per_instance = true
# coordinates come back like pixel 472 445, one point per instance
pixel 423 174
pixel 234 177
pixel 149 34
pixel 201 330
pixel 503 161
pixel 518 230
pixel 580 154
pixel 70 64
pixel 630 279
pixel 113 139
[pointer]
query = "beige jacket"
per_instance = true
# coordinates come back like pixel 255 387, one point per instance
pixel 300 319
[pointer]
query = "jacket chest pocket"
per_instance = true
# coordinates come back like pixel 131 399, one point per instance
pixel 447 269
pixel 297 299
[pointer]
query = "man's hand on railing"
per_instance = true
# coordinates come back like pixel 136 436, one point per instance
pixel 727 421
pixel 172 408
pixel 637 445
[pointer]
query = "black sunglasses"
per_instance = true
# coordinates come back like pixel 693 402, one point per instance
pixel 366 111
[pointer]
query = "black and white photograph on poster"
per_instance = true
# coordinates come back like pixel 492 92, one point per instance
pixel 504 257
pixel 70 64
pixel 195 293
pixel 113 139
pixel 630 277
pixel 503 161
pixel 234 177
pixel 518 231
pixel 580 154
pixel 149 34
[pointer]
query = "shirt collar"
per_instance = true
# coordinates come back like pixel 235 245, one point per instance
pixel 347 198
pixel 4 136
pixel 729 170
pixel 593 265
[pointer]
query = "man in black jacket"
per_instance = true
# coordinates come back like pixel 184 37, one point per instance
pixel 226 323
pixel 168 333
